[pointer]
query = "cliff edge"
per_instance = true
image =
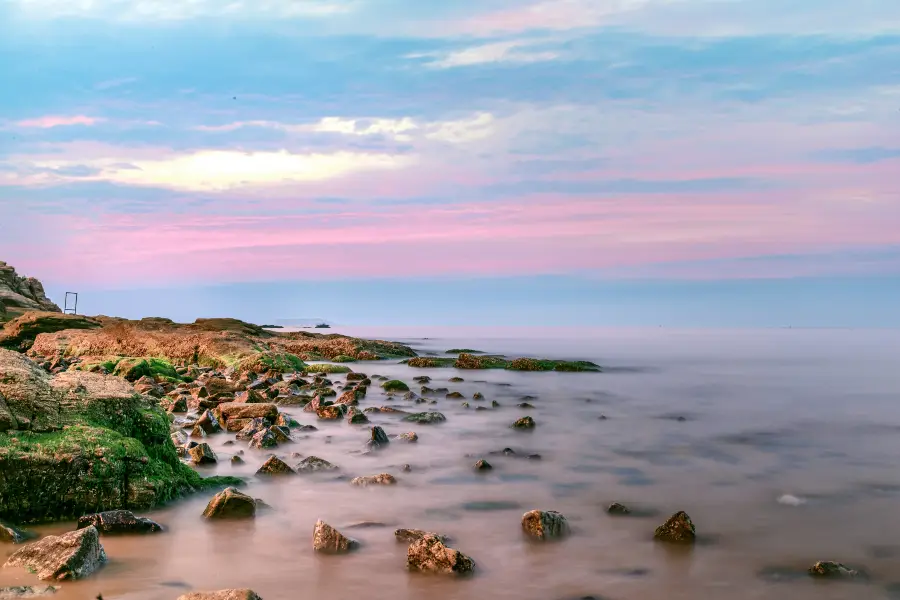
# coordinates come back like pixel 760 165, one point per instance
pixel 21 294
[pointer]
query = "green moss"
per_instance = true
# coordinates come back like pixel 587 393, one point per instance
pixel 395 385
pixel 428 362
pixel 343 358
pixel 533 364
pixel 328 368
pixel 281 362
pixel 469 361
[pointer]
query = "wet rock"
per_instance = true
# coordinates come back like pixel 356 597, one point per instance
pixel 456 380
pixel 314 464
pixel 73 555
pixel 618 509
pixel 495 404
pixel 202 454
pixel 356 376
pixel 426 390
pixel 429 554
pixel 249 397
pixel 263 439
pixel 422 379
pixel 378 438
pixel 26 591
pixel 282 435
pixel 525 405
pixel 251 427
pixel 409 536
pixel 833 570
pixel 394 385
pixel 380 479
pixel 356 417
pixel 178 405
pixel 198 433
pixel 242 410
pixel 119 521
pixel 241 594
pixel 12 535
pixel 384 409
pixel 524 423
pixel 483 465
pixel 454 396
pixel 275 466
pixel 332 412
pixel 230 504
pixel 425 418
pixel 678 529
pixel 328 540
pixel 410 437
pixel 237 460
pixel 477 396
pixel 209 422
pixel 545 524
pixel 405 468
pixel 464 405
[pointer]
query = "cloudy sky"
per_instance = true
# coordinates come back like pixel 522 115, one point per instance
pixel 680 162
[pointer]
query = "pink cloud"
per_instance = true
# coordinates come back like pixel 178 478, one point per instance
pixel 49 121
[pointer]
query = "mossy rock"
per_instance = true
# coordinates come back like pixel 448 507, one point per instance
pixel 328 368
pixel 133 369
pixel 20 333
pixel 535 364
pixel 343 358
pixel 395 385
pixel 262 362
pixel 428 362
pixel 470 361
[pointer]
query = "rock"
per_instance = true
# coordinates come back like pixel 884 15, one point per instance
pixel 242 594
pixel 414 535
pixel 178 405
pixel 251 428
pixel 20 333
pixel 285 420
pixel 525 405
pixel 263 439
pixel 328 540
pixel 429 554
pixel 524 423
pixel 618 509
pixel 394 385
pixel 832 570
pixel 12 535
pixel 483 465
pixel 202 454
pixel 356 417
pixel 678 529
pixel 356 376
pixel 454 396
pixel 314 464
pixel 545 524
pixel 282 435
pixel 332 412
pixel 26 591
pixel 119 521
pixel 409 436
pixel 380 479
pixel 495 404
pixel 465 405
pixel 378 438
pixel 275 466
pixel 406 468
pixel 230 504
pixel 477 396
pixel 249 397
pixel 198 433
pixel 73 555
pixel 209 423
pixel 237 460
pixel 242 410
pixel 425 418
pixel 422 379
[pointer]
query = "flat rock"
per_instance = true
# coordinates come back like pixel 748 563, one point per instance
pixel 119 521
pixel 426 418
pixel 413 535
pixel 230 504
pixel 833 570
pixel 313 464
pixel 678 529
pixel 429 554
pixel 380 479
pixel 328 540
pixel 545 524
pixel 242 594
pixel 244 410
pixel 410 437
pixel 73 555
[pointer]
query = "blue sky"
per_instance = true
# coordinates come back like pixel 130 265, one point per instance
pixel 679 162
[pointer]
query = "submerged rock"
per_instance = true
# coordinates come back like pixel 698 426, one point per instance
pixel 545 524
pixel 618 509
pixel 833 570
pixel 380 479
pixel 242 594
pixel 483 465
pixel 230 504
pixel 678 529
pixel 429 554
pixel 119 521
pixel 11 534
pixel 73 555
pixel 20 592
pixel 414 535
pixel 454 396
pixel 312 464
pixel 275 466
pixel 394 385
pixel 356 416
pixel 524 423
pixel 379 438
pixel 328 540
pixel 410 437
pixel 426 418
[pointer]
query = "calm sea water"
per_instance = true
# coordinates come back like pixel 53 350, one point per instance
pixel 721 424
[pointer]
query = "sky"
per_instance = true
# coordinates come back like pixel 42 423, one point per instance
pixel 377 162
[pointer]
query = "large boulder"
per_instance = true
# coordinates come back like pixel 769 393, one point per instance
pixel 243 594
pixel 429 554
pixel 119 521
pixel 73 555
pixel 21 294
pixel 20 333
pixel 545 524
pixel 230 504
pixel 27 400
pixel 328 540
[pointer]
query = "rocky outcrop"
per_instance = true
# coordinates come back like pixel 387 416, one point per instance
pixel 119 522
pixel 243 594
pixel 20 333
pixel 73 555
pixel 545 524
pixel 328 540
pixel 677 529
pixel 429 554
pixel 230 504
pixel 22 294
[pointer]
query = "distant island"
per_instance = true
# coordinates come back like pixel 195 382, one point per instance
pixel 323 326
pixel 272 326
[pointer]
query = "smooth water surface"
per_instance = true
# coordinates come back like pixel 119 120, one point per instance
pixel 720 424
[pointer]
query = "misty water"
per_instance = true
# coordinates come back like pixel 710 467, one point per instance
pixel 782 445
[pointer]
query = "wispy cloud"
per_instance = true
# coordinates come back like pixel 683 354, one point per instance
pixel 174 10
pixel 51 121
pixel 511 52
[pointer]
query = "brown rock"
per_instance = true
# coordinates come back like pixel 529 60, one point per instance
pixel 328 540
pixel 381 479
pixel 230 504
pixel 202 454
pixel 243 410
pixel 119 521
pixel 73 555
pixel 313 464
pixel 545 525
pixel 242 594
pixel 275 466
pixel 249 397
pixel 414 535
pixel 678 529
pixel 429 554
